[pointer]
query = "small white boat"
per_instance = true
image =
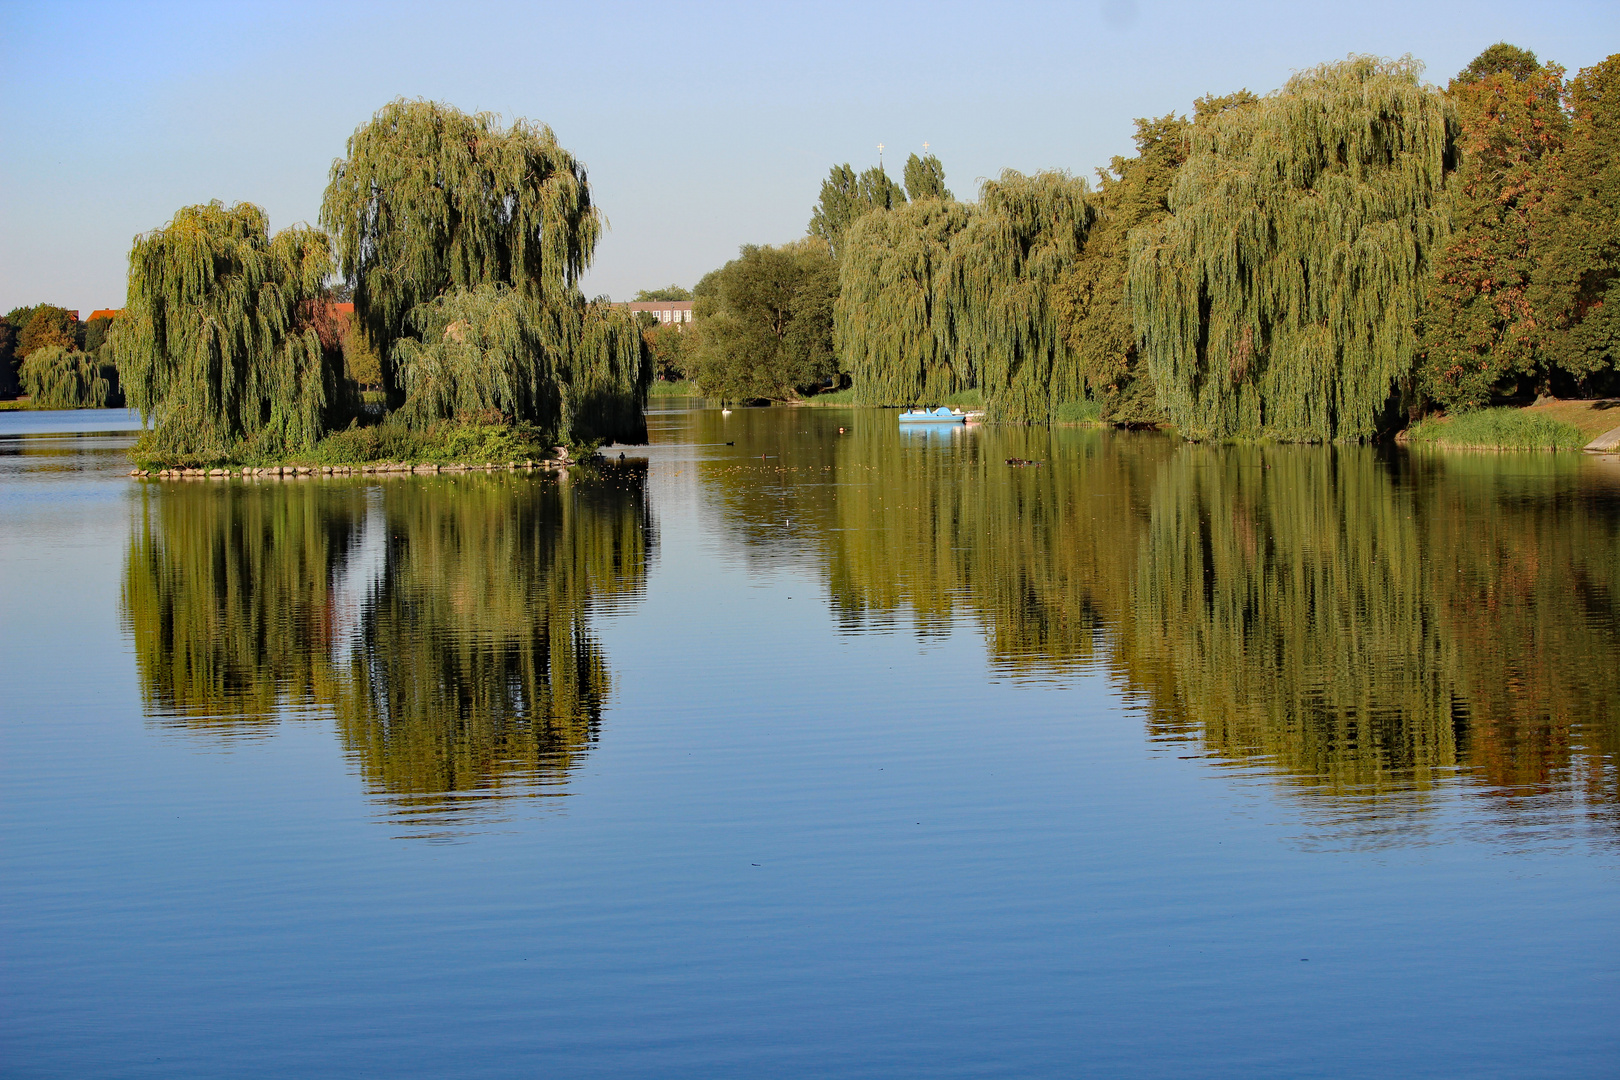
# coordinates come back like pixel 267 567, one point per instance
pixel 941 415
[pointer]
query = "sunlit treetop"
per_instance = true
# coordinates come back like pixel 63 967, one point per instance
pixel 429 198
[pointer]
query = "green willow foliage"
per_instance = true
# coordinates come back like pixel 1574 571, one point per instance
pixel 430 199
pixel 1478 328
pixel 1280 297
pixel 445 624
pixel 435 212
pixel 59 378
pixel 938 297
pixel 892 334
pixel 215 346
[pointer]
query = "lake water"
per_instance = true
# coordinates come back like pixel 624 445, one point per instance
pixel 778 749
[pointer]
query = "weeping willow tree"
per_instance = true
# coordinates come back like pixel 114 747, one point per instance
pixel 888 330
pixel 61 378
pixel 216 346
pixel 1279 298
pixel 1004 265
pixel 938 297
pixel 449 224
pixel 477 351
pixel 610 367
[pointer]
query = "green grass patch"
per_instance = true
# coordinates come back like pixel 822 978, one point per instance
pixel 683 388
pixel 1079 412
pixel 1498 429
pixel 26 404
pixel 846 396
pixel 962 399
pixel 451 442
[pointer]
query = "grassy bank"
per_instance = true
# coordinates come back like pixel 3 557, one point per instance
pixel 1080 412
pixel 25 404
pixel 1500 429
pixel 962 399
pixel 1592 417
pixel 448 443
pixel 683 388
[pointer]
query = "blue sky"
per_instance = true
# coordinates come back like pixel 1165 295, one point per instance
pixel 703 126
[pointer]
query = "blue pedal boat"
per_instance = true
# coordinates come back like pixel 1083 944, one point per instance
pixel 941 415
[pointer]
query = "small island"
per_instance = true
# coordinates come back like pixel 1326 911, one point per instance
pixel 462 242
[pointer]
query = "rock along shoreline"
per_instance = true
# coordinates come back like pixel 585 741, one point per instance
pixel 373 468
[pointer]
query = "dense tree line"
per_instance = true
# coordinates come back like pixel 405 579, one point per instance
pixel 58 360
pixel 1321 263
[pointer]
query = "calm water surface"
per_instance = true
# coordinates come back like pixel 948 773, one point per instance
pixel 773 751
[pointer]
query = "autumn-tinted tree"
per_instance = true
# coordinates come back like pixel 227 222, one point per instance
pixel 1097 314
pixel 669 346
pixel 1576 291
pixel 1280 296
pixel 49 325
pixel 763 326
pixel 1478 328
pixel 216 347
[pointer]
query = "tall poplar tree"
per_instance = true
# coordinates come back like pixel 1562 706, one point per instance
pixel 845 197
pixel 925 178
pixel 1280 296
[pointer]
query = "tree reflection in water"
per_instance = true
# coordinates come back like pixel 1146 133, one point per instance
pixel 1362 624
pixel 442 622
